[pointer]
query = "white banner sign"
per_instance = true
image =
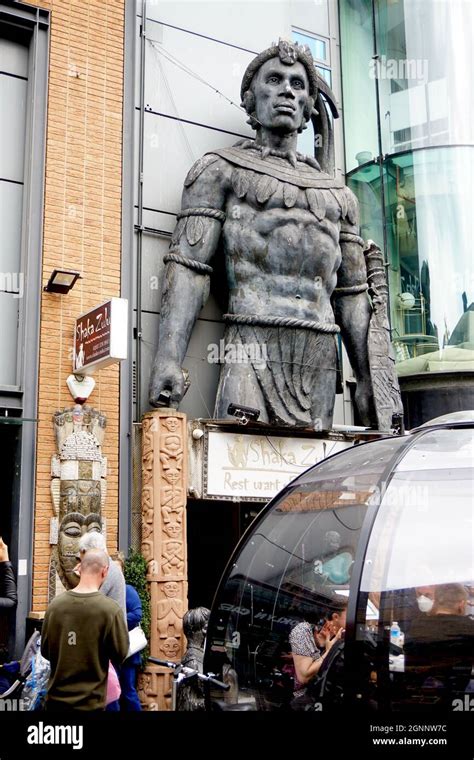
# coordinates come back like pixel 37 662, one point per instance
pixel 257 466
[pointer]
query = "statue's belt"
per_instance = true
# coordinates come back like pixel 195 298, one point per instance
pixel 292 322
pixel 301 177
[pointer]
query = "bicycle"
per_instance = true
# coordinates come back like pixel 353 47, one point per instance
pixel 182 673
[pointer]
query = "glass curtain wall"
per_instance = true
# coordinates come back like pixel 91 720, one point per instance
pixel 13 124
pixel 408 115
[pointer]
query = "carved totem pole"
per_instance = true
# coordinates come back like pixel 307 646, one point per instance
pixel 78 489
pixel 164 483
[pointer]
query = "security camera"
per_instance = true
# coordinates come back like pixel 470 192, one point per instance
pixel 398 424
pixel 164 398
pixel 243 413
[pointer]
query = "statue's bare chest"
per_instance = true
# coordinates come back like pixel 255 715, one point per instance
pixel 281 227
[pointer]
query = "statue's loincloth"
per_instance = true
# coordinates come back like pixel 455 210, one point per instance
pixel 288 363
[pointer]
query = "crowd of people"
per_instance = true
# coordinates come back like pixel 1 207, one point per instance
pixel 84 635
pixel 85 639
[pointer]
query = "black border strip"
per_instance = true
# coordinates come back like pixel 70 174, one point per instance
pixel 197 34
pixel 12 181
pixel 194 123
pixel 14 76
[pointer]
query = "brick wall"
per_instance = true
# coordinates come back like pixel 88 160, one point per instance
pixel 82 229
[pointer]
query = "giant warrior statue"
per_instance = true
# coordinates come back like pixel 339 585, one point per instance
pixel 296 271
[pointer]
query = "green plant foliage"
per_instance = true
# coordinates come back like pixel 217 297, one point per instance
pixel 135 575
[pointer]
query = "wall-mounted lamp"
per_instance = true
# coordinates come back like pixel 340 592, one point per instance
pixel 61 281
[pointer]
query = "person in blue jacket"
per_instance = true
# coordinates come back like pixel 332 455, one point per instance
pixel 129 700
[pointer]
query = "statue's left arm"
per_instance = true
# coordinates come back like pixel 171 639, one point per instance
pixel 352 308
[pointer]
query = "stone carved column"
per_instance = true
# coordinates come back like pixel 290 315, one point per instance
pixel 164 488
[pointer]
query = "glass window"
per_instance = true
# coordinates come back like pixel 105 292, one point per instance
pixel 419 577
pixel 319 48
pixel 429 226
pixel 423 95
pixel 325 73
pixel 358 87
pixel 13 119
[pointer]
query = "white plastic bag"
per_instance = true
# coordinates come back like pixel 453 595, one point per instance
pixel 137 640
pixel 34 691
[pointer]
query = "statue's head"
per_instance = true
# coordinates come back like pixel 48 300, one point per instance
pixel 72 528
pixel 195 625
pixel 279 88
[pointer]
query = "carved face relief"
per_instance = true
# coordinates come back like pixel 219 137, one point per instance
pixel 72 527
pixel 171 648
pixel 281 93
pixel 171 423
pixel 172 476
pixel 173 529
pixel 170 588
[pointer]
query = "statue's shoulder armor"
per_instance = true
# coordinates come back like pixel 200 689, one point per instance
pixel 349 205
pixel 201 164
pixel 302 175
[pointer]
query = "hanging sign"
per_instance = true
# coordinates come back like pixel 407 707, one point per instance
pixel 100 336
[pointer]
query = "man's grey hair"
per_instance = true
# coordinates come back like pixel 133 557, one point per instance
pixel 92 540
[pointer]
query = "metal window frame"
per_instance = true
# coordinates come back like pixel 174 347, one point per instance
pixel 325 62
pixel 128 279
pixel 36 21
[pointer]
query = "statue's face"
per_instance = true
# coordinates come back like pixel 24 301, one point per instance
pixel 170 588
pixel 281 93
pixel 73 526
pixel 171 648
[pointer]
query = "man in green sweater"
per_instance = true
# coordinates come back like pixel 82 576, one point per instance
pixel 82 631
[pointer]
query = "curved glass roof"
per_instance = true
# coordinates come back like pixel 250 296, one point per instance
pixel 373 521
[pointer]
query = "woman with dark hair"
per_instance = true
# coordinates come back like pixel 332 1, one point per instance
pixel 308 659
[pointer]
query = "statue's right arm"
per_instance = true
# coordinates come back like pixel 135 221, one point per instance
pixel 186 281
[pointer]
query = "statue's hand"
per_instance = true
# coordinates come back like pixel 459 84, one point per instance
pixel 166 376
pixel 365 402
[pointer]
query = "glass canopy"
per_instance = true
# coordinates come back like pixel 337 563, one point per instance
pixel 384 529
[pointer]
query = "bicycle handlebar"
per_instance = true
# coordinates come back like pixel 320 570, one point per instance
pixel 189 672
pixel 166 663
pixel 220 684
